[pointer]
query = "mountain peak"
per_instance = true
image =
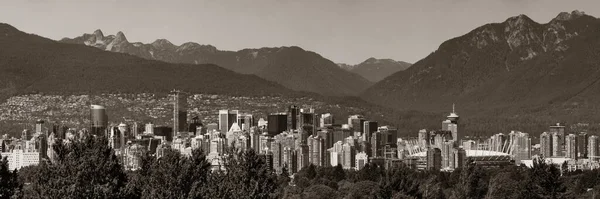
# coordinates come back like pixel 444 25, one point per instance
pixel 371 59
pixel 7 29
pixel 519 20
pixel 120 37
pixel 196 46
pixel 99 35
pixel 565 16
pixel 162 43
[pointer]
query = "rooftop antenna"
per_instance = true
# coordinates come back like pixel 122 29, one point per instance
pixel 453 108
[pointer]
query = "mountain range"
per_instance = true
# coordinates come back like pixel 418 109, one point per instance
pixel 510 69
pixel 292 67
pixel 374 69
pixel 30 63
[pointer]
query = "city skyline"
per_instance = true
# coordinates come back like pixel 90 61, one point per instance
pixel 400 30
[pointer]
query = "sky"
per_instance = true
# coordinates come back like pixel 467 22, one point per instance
pixel 344 31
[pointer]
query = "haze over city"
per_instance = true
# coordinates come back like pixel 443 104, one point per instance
pixel 344 31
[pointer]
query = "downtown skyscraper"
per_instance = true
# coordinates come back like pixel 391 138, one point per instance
pixel 179 112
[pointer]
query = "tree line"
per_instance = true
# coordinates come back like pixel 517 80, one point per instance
pixel 90 169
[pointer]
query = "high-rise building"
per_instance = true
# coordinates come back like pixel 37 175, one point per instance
pixel 179 112
pixel 558 131
pixel 460 158
pixel 39 126
pixel 99 120
pixel 149 129
pixel 592 147
pixel 377 144
pixel 521 145
pixel 546 144
pixel 348 156
pixel 245 121
pixel 361 160
pixel 557 150
pixel 227 118
pixel 582 145
pixel 25 135
pixel 451 124
pixel 326 120
pixel 193 126
pixel 434 159
pixel 571 146
pixel 292 117
pixel 424 139
pixel 369 127
pixel 356 122
pixel 277 123
pixel 308 121
pixel 316 150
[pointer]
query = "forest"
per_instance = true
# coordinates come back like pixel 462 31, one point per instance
pixel 89 168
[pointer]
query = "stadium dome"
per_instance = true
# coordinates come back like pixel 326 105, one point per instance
pixel 472 153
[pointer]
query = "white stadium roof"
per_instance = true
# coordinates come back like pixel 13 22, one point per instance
pixel 470 153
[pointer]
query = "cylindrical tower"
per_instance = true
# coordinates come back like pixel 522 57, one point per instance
pixel 99 119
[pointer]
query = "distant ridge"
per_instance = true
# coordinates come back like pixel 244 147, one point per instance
pixel 30 63
pixel 292 67
pixel 376 69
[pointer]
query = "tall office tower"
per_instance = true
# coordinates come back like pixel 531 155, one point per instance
pixel 356 122
pixel 135 130
pixel 245 121
pixel 582 145
pixel 179 112
pixel 559 131
pixel 386 138
pixel 277 123
pixel 292 117
pixel 460 158
pixel 369 127
pixel 99 120
pixel 546 144
pixel 521 146
pixel 593 152
pixel 376 145
pixel 439 137
pixel 227 118
pixel 25 135
pixel 149 129
pixel 255 141
pixel 447 150
pixel 451 124
pixel 268 161
pixel 348 155
pixel 194 124
pixel 423 138
pixel 308 121
pixel 571 146
pixel 434 159
pixel 557 150
pixel 326 120
pixel 39 126
pixel 316 150
pixel 277 150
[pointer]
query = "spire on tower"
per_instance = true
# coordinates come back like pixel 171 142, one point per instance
pixel 453 108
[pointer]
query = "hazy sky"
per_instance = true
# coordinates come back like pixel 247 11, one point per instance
pixel 347 31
